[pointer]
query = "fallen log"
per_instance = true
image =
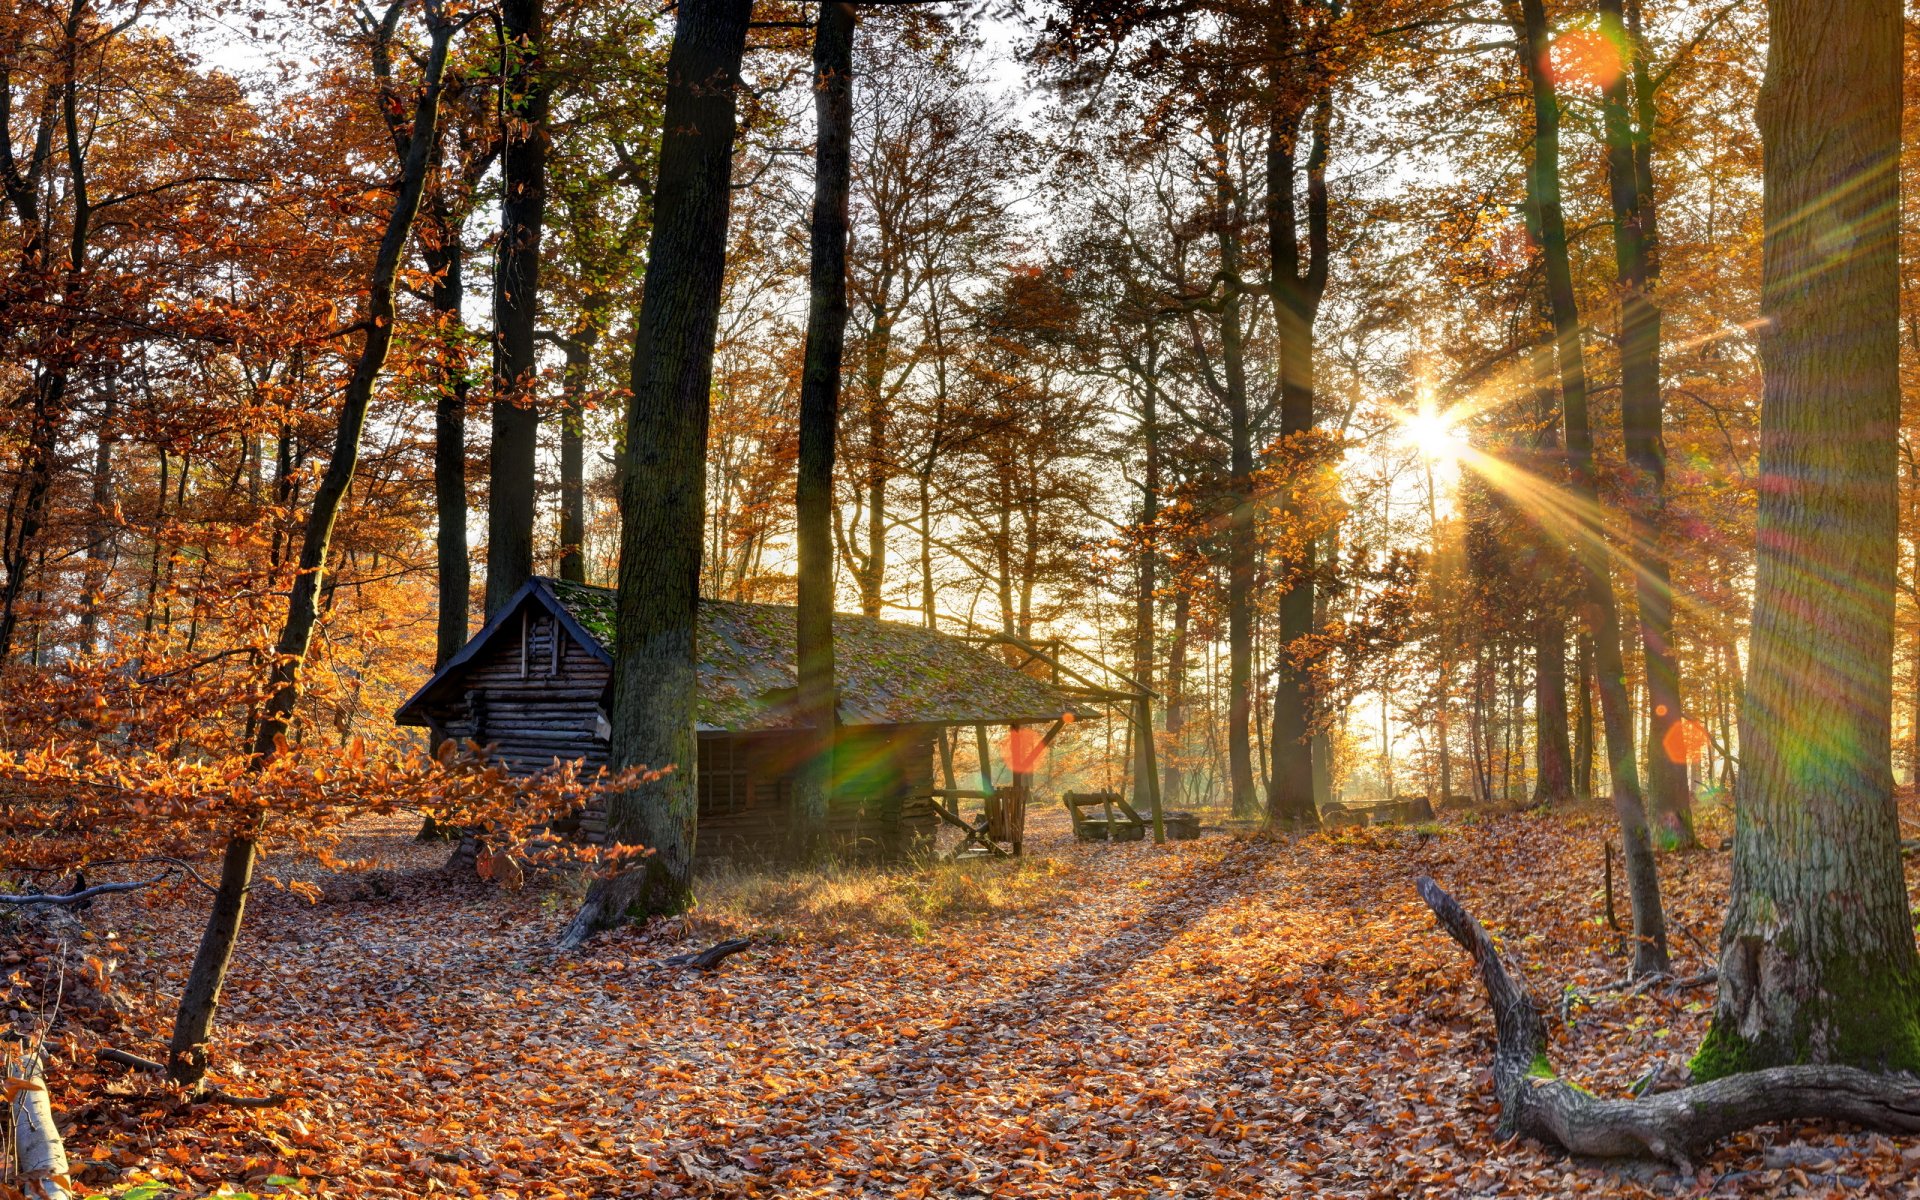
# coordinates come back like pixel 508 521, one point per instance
pixel 1673 1126
pixel 709 958
pixel 41 1155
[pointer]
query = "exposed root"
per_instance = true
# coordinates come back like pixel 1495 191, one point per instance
pixel 1674 1126
pixel 199 1095
pixel 710 958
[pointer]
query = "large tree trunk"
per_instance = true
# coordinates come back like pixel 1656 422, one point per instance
pixel 663 482
pixel 1817 961
pixel 1629 113
pixel 523 207
pixel 1548 225
pixel 1297 288
pixel 820 416
pixel 200 999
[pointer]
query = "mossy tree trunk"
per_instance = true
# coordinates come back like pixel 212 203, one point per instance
pixel 1817 961
pixel 663 475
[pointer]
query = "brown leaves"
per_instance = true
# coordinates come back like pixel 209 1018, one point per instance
pixel 1254 1020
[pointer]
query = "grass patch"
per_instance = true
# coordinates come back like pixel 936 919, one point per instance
pixel 841 901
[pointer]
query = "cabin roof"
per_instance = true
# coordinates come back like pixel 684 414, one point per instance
pixel 887 673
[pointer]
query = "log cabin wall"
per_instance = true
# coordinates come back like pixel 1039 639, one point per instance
pixel 534 696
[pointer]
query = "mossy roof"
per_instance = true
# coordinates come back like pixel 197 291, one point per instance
pixel 887 673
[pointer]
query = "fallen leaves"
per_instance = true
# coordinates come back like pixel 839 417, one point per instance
pixel 1257 1020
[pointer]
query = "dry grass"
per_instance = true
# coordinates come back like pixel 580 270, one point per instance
pixel 836 902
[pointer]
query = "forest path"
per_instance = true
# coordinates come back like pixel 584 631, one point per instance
pixel 1213 1018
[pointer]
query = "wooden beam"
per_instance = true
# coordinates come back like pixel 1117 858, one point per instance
pixel 946 759
pixel 986 757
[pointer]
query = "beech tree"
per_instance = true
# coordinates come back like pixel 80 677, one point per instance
pixel 516 299
pixel 663 494
pixel 1817 960
pixel 820 407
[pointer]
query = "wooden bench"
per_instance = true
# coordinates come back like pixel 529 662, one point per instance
pixel 1119 821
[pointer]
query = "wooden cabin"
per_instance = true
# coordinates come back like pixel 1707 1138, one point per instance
pixel 533 686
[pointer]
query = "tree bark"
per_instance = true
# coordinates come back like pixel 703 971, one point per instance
pixel 1553 757
pixel 820 417
pixel 663 481
pixel 1628 112
pixel 1548 226
pixel 40 1153
pixel 445 260
pixel 1297 289
pixel 1172 775
pixel 1817 961
pixel 578 378
pixel 1583 719
pixel 523 206
pixel 200 999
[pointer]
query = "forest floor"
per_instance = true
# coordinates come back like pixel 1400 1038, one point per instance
pixel 1224 1017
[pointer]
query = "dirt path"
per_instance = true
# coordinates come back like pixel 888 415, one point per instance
pixel 1217 1018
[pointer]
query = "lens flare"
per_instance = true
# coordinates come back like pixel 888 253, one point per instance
pixel 1433 434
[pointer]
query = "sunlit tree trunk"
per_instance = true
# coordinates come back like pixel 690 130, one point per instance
pixel 1602 615
pixel 1583 719
pixel 1172 775
pixel 1817 960
pixel 1628 107
pixel 820 414
pixel 1553 758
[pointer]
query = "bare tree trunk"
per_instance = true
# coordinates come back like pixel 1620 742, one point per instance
pixel 1554 778
pixel 1817 961
pixel 1629 112
pixel 200 999
pixel 1583 720
pixel 820 416
pixel 573 436
pixel 1172 777
pixel 1297 292
pixel 445 259
pixel 523 207
pixel 663 481
pixel 1602 614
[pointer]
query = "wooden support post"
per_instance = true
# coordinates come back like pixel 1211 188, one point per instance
pixel 946 759
pixel 986 758
pixel 1147 781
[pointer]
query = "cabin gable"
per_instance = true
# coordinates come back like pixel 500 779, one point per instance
pixel 527 687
